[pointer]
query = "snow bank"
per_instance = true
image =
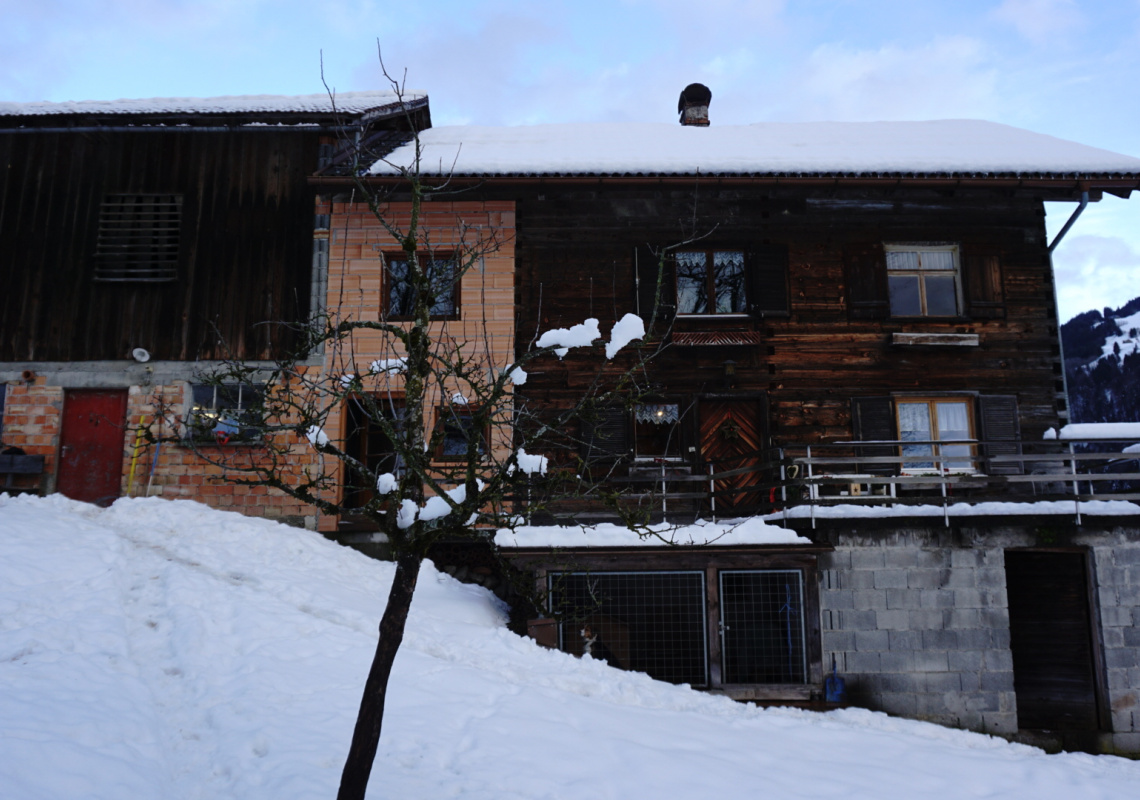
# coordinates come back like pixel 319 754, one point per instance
pixel 1101 430
pixel 163 649
pixel 727 532
pixel 939 146
pixel 581 335
pixel 1108 508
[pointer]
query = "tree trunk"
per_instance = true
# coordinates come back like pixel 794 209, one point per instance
pixel 366 737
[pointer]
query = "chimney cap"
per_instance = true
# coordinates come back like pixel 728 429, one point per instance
pixel 693 104
pixel 695 94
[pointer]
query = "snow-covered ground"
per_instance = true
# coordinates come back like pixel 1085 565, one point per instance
pixel 163 649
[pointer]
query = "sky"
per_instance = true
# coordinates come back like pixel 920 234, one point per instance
pixel 1062 67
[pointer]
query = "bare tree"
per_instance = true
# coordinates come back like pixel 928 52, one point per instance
pixel 464 455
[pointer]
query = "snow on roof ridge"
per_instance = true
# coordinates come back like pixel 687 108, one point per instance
pixel 347 102
pixel 931 147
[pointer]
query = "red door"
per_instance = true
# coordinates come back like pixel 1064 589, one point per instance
pixel 91 444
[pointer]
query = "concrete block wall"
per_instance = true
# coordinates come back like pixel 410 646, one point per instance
pixel 1117 568
pixel 921 629
pixel 918 622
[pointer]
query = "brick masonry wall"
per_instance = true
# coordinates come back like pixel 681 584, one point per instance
pixel 918 621
pixel 32 414
pixel 485 328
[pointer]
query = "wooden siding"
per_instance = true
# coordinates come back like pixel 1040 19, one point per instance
pixel 245 255
pixel 576 253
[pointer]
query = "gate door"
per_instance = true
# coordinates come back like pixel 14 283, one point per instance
pixel 731 436
pixel 1051 639
pixel 762 626
pixel 91 440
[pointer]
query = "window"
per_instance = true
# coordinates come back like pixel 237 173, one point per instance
pixel 923 281
pixel 138 238
pixel 932 420
pixel 457 427
pixel 400 293
pixel 226 414
pixel 656 430
pixel 711 282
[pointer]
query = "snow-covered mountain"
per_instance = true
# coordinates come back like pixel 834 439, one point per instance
pixel 1102 364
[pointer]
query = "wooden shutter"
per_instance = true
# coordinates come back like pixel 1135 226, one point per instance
pixel 998 426
pixel 605 435
pixel 649 268
pixel 768 280
pixel 873 419
pixel 982 283
pixel 866 268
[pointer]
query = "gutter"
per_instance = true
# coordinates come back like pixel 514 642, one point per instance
pixel 1080 208
pixel 1056 306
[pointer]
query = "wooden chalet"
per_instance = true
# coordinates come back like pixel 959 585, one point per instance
pixel 143 241
pixel 843 315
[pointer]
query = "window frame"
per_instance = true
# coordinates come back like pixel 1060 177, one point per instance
pixel 934 438
pixel 450 415
pixel 196 433
pixel 387 284
pixel 711 283
pixel 922 274
pixel 675 437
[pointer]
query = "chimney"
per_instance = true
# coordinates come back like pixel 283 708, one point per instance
pixel 694 105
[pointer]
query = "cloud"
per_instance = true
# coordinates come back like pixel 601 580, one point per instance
pixel 1095 271
pixel 1041 21
pixel 945 77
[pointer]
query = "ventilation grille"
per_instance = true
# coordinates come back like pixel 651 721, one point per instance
pixel 138 238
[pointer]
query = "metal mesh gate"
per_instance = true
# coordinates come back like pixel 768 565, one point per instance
pixel 652 622
pixel 762 626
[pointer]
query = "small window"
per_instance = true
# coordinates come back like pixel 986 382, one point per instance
pixel 656 431
pixel 400 293
pixel 923 281
pixel 227 414
pixel 927 421
pixel 711 282
pixel 459 427
pixel 138 239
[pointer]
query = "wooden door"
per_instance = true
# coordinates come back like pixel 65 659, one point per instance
pixel 732 434
pixel 91 444
pixel 1051 638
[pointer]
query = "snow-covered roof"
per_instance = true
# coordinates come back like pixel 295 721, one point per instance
pixel 347 103
pixel 939 147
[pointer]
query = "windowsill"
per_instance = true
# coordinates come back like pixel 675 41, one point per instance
pixel 936 339
pixel 714 316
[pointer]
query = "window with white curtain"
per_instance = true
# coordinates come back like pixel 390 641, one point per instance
pixel 940 429
pixel 923 280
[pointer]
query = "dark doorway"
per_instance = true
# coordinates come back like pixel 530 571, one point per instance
pixel 1051 636
pixel 732 435
pixel 91 443
pixel 762 626
pixel 367 442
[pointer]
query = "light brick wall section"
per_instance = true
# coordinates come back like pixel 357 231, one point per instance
pixel 921 631
pixel 32 415
pixel 485 328
pixel 1118 594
